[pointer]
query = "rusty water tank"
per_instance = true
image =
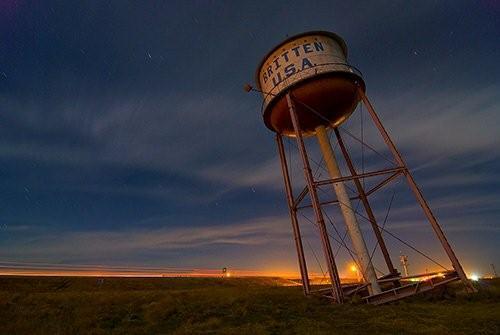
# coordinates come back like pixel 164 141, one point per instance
pixel 313 67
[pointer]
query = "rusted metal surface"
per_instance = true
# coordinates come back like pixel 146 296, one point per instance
pixel 359 176
pixel 314 65
pixel 300 197
pixel 325 241
pixel 411 289
pixel 323 203
pixel 293 216
pixel 366 204
pixel 384 182
pixel 418 194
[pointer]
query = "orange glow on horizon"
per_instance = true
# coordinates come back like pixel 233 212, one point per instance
pixel 101 271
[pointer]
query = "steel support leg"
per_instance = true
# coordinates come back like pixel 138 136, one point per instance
pixel 366 204
pixel 293 216
pixel 418 194
pixel 325 241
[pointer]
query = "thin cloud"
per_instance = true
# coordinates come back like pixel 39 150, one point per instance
pixel 260 231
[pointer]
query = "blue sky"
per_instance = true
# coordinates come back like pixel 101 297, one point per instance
pixel 126 137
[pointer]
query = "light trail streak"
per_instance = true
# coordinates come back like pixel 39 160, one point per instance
pixel 86 270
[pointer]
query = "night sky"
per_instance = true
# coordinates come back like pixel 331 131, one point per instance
pixel 126 137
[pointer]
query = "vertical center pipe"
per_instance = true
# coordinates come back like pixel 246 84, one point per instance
pixel 351 222
pixel 366 204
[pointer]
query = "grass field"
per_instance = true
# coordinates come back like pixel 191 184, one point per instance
pixel 59 305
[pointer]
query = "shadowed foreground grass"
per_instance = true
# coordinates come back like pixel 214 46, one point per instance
pixel 59 305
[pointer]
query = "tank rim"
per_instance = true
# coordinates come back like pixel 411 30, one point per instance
pixel 333 35
pixel 265 112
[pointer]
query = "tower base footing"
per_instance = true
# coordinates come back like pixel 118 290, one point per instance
pixel 395 287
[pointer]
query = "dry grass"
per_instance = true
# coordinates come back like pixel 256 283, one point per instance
pixel 55 305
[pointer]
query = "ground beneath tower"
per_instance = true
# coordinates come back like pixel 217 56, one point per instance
pixel 62 305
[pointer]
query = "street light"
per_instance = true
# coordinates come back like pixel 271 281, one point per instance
pixel 354 269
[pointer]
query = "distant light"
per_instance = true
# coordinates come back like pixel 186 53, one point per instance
pixel 474 277
pixel 354 268
pixel 228 274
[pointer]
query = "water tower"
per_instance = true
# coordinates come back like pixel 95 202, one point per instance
pixel 308 89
